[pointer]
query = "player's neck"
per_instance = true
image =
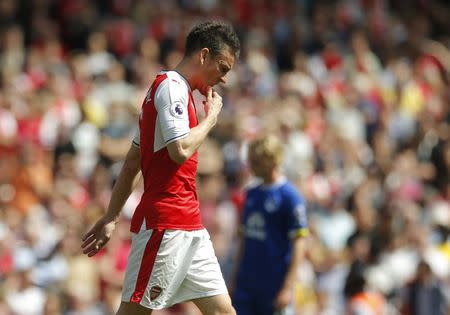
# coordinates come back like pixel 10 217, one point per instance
pixel 274 177
pixel 187 71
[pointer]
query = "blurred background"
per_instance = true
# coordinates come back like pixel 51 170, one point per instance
pixel 357 89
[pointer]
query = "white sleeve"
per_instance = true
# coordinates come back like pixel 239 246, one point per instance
pixel 171 102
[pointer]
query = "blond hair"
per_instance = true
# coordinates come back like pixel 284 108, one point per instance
pixel 268 147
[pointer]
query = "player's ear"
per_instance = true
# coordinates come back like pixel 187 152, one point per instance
pixel 204 55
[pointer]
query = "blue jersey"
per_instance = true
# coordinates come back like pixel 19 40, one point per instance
pixel 273 216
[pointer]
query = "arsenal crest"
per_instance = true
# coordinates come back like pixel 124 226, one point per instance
pixel 155 291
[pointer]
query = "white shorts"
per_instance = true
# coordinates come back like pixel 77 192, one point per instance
pixel 166 267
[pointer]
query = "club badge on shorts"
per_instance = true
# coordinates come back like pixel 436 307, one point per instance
pixel 155 291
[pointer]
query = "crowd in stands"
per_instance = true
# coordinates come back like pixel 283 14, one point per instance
pixel 358 90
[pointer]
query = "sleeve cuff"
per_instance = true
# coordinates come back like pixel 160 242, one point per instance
pixel 177 138
pixel 303 232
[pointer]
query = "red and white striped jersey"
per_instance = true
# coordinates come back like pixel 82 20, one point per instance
pixel 170 199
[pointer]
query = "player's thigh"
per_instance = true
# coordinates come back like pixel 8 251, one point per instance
pixel 215 305
pixel 157 265
pixel 204 277
pixel 129 308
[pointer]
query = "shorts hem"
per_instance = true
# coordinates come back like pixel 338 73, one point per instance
pixel 129 301
pixel 159 307
pixel 200 296
pixel 181 300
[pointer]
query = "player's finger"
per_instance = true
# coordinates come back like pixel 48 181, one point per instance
pixel 90 248
pixel 216 95
pixel 87 239
pixel 209 93
pixel 88 233
pixel 96 248
pixel 86 244
pixel 85 236
pixel 92 253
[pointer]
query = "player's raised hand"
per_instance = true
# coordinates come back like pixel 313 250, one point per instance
pixel 213 103
pixel 97 236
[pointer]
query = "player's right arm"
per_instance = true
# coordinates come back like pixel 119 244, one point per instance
pixel 124 183
pixel 182 149
pixel 101 232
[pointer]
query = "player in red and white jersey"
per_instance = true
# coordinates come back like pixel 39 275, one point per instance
pixel 171 258
pixel 168 114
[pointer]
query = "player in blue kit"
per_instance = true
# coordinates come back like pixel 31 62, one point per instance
pixel 274 224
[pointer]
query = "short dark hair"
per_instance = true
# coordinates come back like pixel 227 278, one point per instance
pixel 213 35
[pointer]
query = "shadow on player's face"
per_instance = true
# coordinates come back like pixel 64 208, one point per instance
pixel 217 67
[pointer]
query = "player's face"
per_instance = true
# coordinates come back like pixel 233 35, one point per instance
pixel 262 166
pixel 216 67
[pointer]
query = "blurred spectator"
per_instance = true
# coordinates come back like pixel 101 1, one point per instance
pixel 362 301
pixel 424 295
pixel 358 91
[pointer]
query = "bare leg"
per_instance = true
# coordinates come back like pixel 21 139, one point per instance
pixel 127 308
pixel 215 305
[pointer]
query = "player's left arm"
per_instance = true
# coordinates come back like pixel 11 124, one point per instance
pixel 285 295
pixel 298 230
